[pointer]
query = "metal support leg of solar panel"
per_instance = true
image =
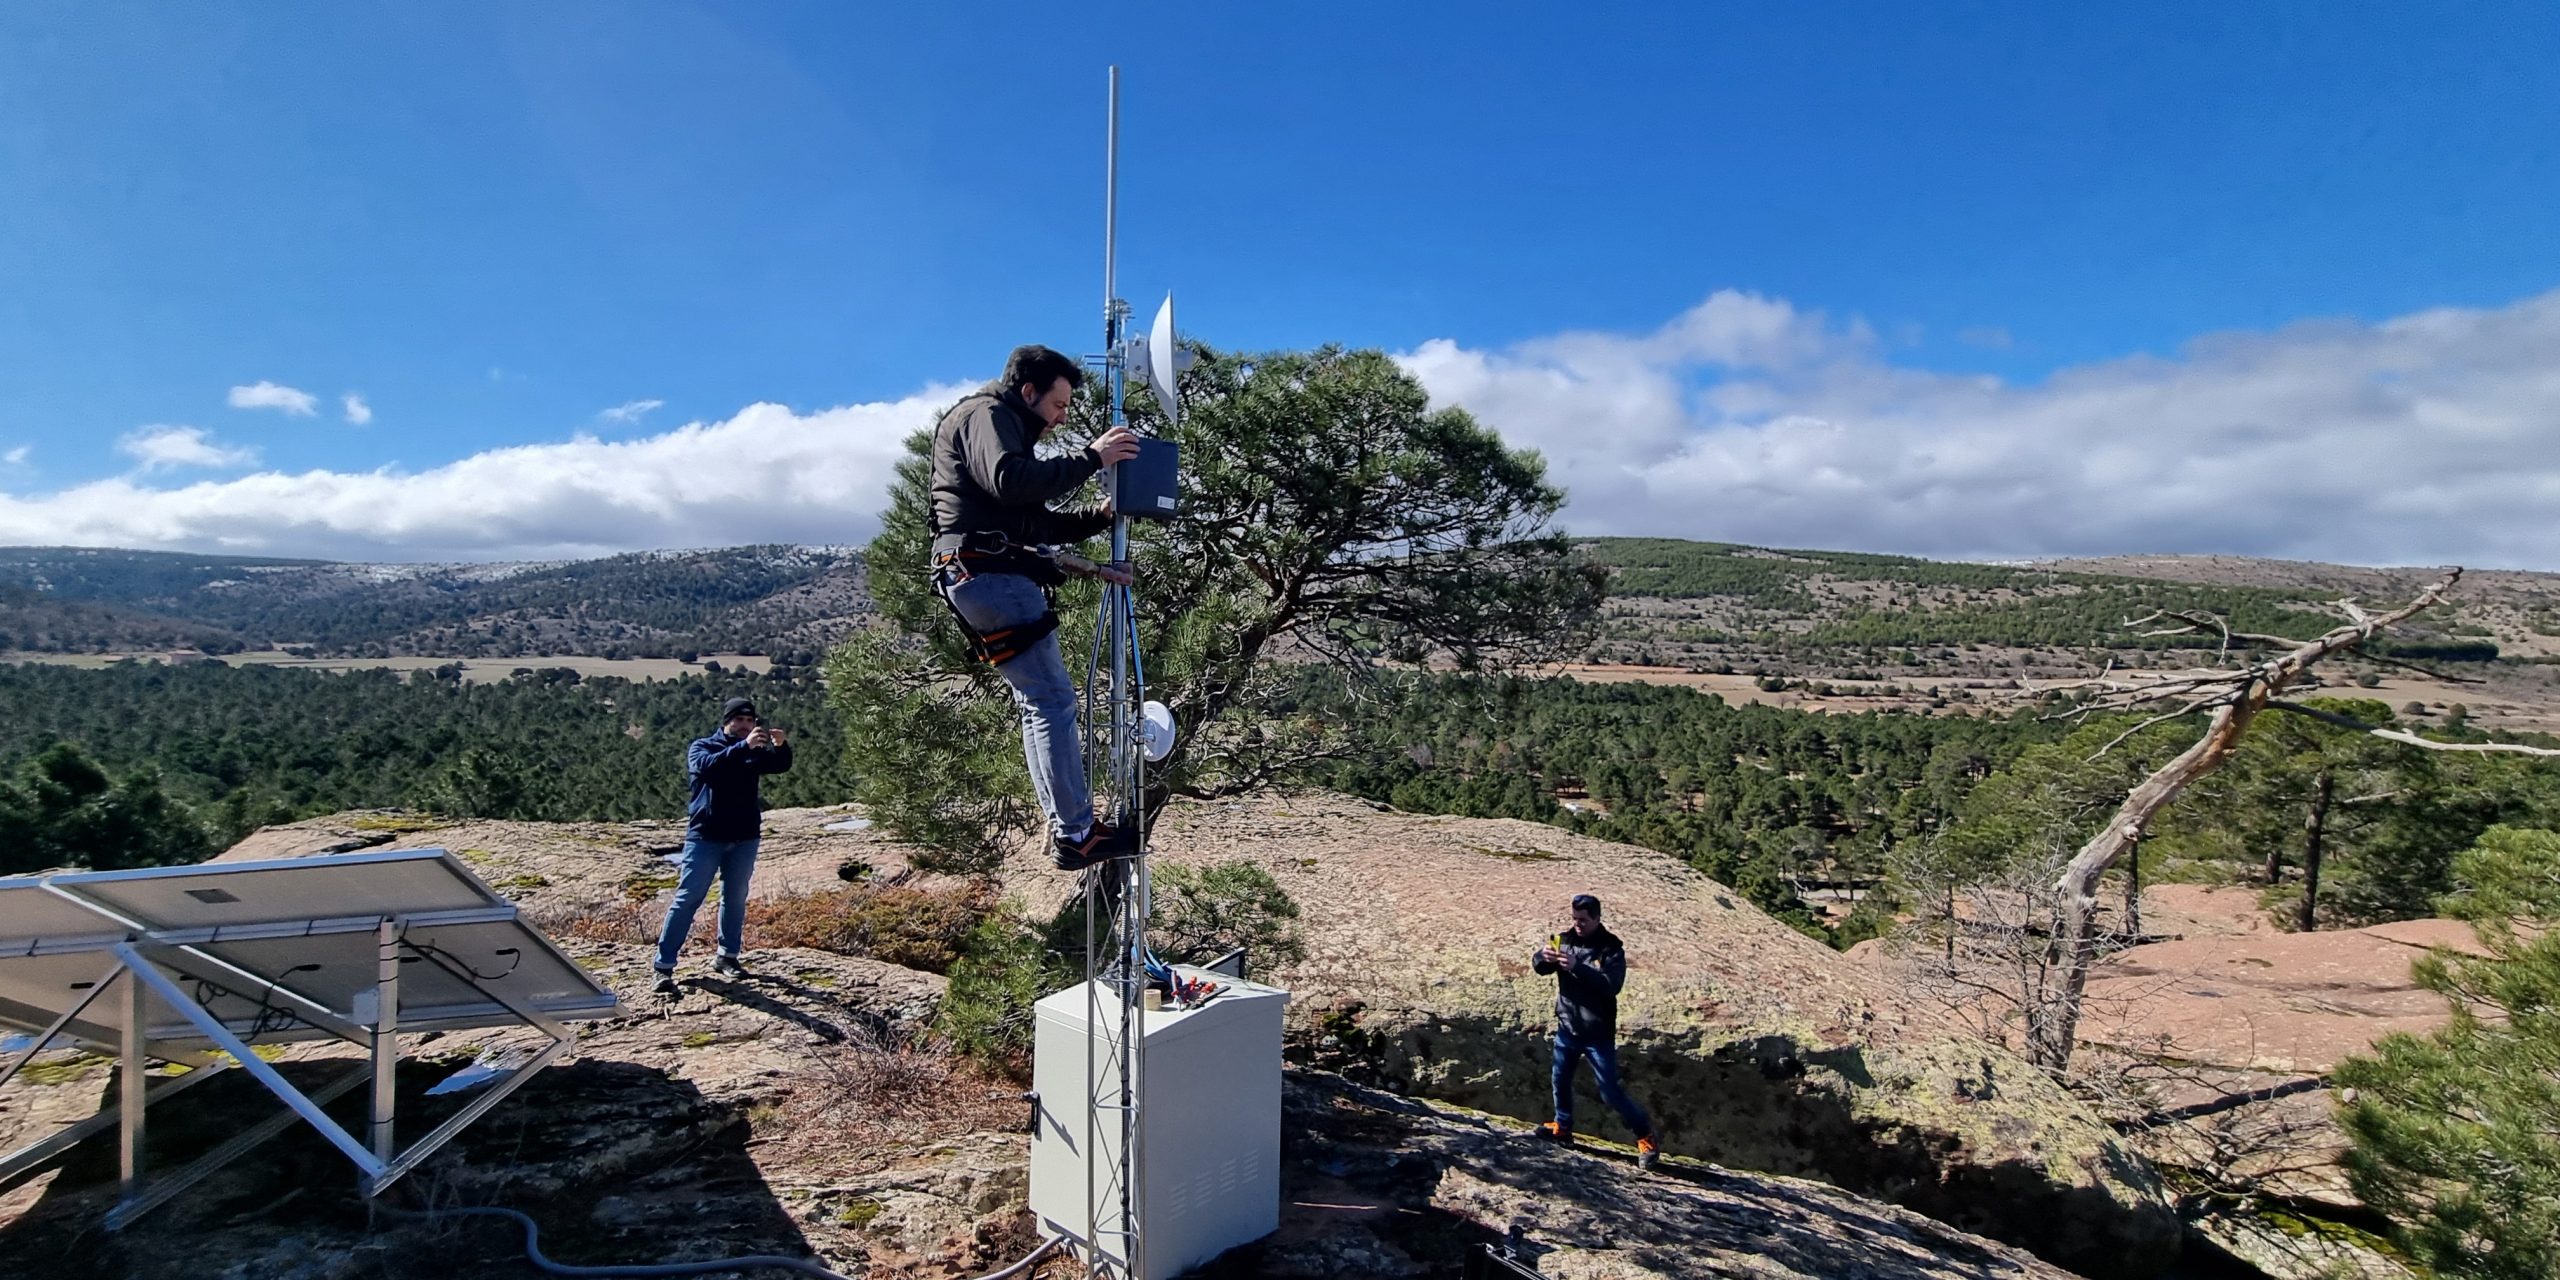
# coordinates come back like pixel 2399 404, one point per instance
pixel 207 963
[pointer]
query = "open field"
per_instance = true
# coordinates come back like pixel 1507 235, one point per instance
pixel 2526 703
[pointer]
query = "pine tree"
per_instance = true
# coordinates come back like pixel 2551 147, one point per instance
pixel 2457 1133
pixel 1328 513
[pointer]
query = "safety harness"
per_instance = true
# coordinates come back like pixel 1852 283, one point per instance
pixel 987 552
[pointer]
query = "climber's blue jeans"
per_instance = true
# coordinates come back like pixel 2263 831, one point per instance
pixel 1570 1051
pixel 1042 692
pixel 731 862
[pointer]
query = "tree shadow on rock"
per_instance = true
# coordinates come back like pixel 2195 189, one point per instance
pixel 618 1164
pixel 1772 1104
pixel 1374 1184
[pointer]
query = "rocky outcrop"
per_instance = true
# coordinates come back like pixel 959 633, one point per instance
pixel 789 1114
pixel 1754 1046
pixel 559 864
pixel 1382 1185
pixel 764 1115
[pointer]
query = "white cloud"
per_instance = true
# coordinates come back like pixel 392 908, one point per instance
pixel 358 412
pixel 629 410
pixel 2430 438
pixel 766 474
pixel 268 395
pixel 159 448
pixel 17 457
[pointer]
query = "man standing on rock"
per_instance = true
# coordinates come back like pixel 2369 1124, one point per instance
pixel 1590 966
pixel 990 517
pixel 724 822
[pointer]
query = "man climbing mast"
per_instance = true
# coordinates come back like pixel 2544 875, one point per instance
pixel 992 563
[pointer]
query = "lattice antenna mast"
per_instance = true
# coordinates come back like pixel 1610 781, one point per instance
pixel 1116 892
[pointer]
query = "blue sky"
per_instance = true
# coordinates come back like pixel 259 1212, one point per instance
pixel 494 222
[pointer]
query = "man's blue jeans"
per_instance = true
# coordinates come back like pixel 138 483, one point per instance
pixel 1570 1051
pixel 1042 692
pixel 730 862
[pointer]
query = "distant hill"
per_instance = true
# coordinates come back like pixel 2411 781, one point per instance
pixel 1682 603
pixel 1674 603
pixel 763 599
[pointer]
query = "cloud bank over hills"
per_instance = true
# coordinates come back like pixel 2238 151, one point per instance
pixel 2432 437
pixel 2428 438
pixel 766 474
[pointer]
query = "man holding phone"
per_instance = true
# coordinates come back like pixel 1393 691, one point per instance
pixel 1590 967
pixel 724 822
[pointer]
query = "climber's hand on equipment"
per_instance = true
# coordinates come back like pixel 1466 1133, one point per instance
pixel 1115 446
pixel 1116 574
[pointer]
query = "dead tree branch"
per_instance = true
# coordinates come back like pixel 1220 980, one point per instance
pixel 2407 738
pixel 2234 697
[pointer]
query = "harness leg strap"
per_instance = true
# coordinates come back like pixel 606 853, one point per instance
pixel 1004 644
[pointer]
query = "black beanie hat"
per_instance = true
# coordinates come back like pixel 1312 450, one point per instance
pixel 1585 902
pixel 736 707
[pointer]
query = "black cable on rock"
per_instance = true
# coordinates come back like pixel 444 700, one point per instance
pixel 533 1251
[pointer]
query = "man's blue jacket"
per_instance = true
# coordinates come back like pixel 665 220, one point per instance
pixel 726 804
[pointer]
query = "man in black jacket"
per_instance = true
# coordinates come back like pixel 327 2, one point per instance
pixel 724 822
pixel 990 509
pixel 1590 966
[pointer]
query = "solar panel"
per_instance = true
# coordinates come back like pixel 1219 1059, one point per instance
pixel 34 990
pixel 227 956
pixel 498 955
pixel 32 916
pixel 331 886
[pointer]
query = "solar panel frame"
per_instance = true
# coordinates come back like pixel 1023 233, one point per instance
pixel 226 952
pixel 349 961
pixel 34 919
pixel 162 899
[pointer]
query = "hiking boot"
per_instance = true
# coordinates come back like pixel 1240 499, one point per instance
pixel 1647 1154
pixel 1553 1132
pixel 731 967
pixel 1101 844
pixel 666 984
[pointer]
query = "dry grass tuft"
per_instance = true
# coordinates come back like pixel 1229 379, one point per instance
pixel 915 928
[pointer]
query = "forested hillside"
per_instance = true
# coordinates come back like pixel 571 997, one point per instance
pixel 235 748
pixel 1781 804
pixel 767 600
pixel 1760 798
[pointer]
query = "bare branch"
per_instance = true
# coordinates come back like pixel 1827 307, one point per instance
pixel 2499 748
pixel 2227 1102
pixel 2429 672
pixel 2407 738
pixel 2163 718
pixel 2324 717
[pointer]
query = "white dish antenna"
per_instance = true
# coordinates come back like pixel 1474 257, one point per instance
pixel 1155 731
pixel 1157 360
